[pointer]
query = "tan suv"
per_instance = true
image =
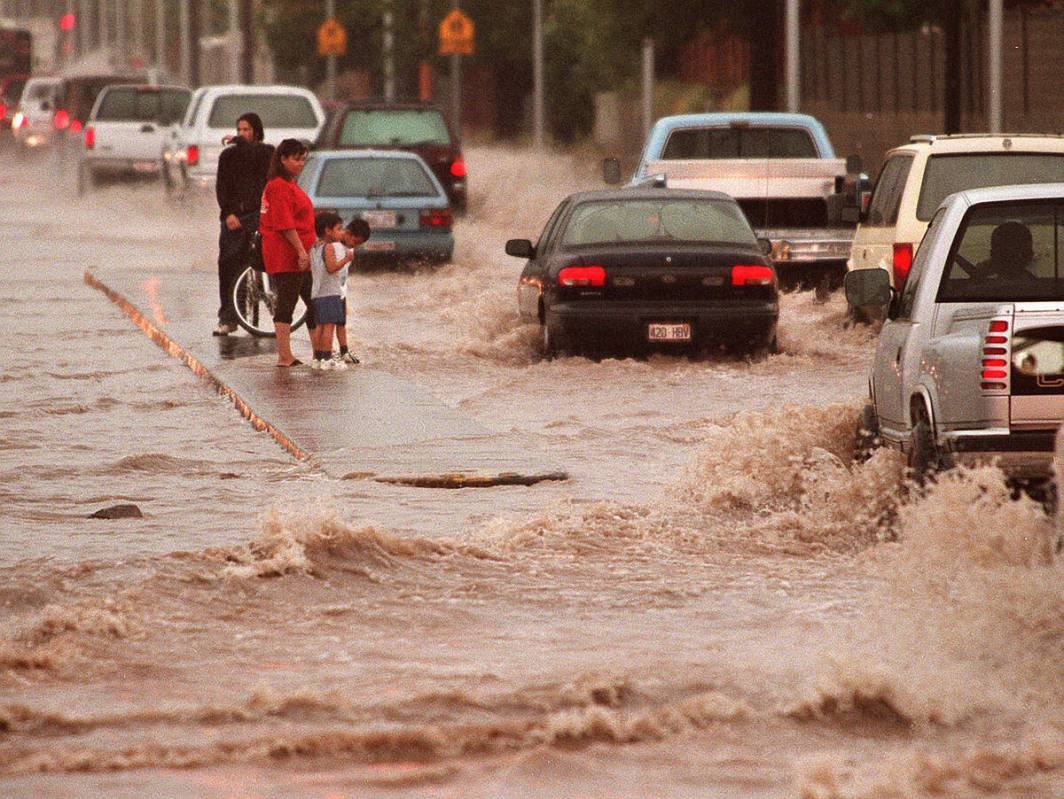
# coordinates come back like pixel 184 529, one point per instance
pixel 918 176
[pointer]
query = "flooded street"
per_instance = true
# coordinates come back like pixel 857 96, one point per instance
pixel 717 603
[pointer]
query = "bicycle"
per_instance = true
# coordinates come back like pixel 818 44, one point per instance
pixel 254 298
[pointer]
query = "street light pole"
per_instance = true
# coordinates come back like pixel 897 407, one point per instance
pixel 793 47
pixel 387 52
pixel 236 41
pixel 185 37
pixel 994 100
pixel 330 60
pixel 537 74
pixel 160 35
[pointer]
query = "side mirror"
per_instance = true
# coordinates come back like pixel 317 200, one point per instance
pixel 520 248
pixel 611 171
pixel 765 245
pixel 854 165
pixel 867 288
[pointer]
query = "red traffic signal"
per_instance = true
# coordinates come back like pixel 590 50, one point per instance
pixel 66 22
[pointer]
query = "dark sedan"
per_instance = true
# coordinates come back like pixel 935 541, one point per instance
pixel 648 268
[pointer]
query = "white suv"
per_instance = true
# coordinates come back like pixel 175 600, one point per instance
pixel 126 129
pixel 917 176
pixel 190 153
pixel 32 124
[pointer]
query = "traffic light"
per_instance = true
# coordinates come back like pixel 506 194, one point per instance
pixel 67 21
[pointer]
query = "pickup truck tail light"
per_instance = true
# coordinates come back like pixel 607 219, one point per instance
pixel 61 120
pixel 903 262
pixel 90 138
pixel 458 169
pixel 752 275
pixel 192 155
pixel 3 110
pixel 437 217
pixel 582 276
pixel 995 361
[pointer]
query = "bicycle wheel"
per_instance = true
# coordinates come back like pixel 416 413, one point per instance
pixel 254 301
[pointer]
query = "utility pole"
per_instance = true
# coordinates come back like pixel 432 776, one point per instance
pixel 537 74
pixel 236 42
pixel 793 67
pixel 105 29
pixel 994 100
pixel 456 89
pixel 160 36
pixel 185 38
pixel 648 85
pixel 388 54
pixel 121 37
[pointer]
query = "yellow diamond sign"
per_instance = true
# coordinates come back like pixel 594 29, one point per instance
pixel 332 38
pixel 456 34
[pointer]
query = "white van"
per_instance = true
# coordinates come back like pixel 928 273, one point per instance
pixel 33 123
pixel 190 152
pixel 917 176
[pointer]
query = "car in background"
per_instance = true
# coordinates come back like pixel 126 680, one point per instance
pixel 642 268
pixel 11 87
pixel 126 129
pixel 75 97
pixel 395 192
pixel 917 176
pixel 32 124
pixel 413 127
pixel 190 151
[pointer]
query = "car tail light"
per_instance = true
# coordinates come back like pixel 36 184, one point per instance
pixel 995 361
pixel 903 261
pixel 458 168
pixel 61 120
pixel 436 217
pixel 75 126
pixel 582 276
pixel 752 275
pixel 192 155
pixel 90 138
pixel 3 110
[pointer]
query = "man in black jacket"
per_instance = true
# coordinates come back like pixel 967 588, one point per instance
pixel 242 169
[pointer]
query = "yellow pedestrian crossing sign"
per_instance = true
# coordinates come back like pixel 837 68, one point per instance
pixel 456 34
pixel 332 38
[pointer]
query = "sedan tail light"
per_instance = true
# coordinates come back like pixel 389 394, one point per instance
pixel 192 155
pixel 90 138
pixel 458 169
pixel 903 261
pixel 61 120
pixel 436 217
pixel 753 275
pixel 3 110
pixel 582 276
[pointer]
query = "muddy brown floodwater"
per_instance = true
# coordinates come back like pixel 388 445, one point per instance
pixel 718 603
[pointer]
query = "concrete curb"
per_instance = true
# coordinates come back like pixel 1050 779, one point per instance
pixel 175 350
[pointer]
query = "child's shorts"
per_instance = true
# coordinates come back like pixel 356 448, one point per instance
pixel 330 310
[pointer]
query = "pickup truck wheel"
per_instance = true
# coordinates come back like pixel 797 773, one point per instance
pixel 549 342
pixel 924 459
pixel 867 439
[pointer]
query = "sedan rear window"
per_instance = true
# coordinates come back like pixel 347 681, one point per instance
pixel 143 105
pixel 605 221
pixel 275 110
pixel 394 128
pixel 946 174
pixel 375 177
pixel 1006 252
pixel 39 91
pixel 739 143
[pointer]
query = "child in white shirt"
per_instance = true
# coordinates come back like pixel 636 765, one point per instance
pixel 329 261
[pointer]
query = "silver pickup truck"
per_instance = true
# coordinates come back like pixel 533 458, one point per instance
pixel 970 362
pixel 780 168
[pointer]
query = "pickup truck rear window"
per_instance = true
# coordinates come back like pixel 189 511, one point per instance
pixel 275 110
pixel 143 105
pixel 946 174
pixel 393 128
pixel 697 143
pixel 1007 252
pixel 657 220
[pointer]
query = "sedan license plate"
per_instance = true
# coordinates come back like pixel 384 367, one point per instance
pixel 379 246
pixel 145 167
pixel 379 219
pixel 658 331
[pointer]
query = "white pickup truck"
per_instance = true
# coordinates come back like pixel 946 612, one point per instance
pixel 780 168
pixel 970 362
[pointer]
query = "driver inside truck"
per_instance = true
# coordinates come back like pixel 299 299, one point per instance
pixel 1011 254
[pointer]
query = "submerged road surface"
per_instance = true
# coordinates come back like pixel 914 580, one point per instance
pixel 716 603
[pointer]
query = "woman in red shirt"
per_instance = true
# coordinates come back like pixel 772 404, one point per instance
pixel 287 226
